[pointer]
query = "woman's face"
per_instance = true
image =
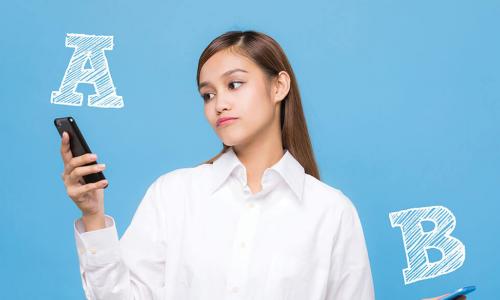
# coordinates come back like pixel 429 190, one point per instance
pixel 233 86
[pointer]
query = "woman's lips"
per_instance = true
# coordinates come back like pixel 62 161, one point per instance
pixel 226 121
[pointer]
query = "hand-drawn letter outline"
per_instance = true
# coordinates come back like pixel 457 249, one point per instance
pixel 88 48
pixel 417 242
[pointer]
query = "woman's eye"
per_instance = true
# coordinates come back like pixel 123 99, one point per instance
pixel 206 96
pixel 232 82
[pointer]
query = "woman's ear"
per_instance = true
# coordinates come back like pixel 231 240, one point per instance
pixel 281 86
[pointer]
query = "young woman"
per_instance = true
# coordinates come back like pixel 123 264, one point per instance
pixel 253 222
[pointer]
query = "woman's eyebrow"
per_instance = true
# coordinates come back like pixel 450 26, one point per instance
pixel 227 73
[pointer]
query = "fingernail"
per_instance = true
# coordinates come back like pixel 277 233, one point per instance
pixel 102 166
pixel 93 156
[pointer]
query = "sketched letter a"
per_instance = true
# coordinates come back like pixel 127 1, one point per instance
pixel 89 50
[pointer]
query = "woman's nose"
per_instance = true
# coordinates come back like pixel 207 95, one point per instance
pixel 222 101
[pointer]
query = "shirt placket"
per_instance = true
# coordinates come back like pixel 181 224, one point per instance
pixel 243 241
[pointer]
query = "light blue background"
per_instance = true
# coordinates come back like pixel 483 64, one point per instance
pixel 401 99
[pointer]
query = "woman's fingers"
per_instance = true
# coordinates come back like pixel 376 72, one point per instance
pixel 444 296
pixel 437 298
pixel 65 148
pixel 85 170
pixel 87 196
pixel 75 192
pixel 79 161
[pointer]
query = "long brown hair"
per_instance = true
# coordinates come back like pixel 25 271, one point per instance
pixel 270 57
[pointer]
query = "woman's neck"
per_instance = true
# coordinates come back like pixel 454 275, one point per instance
pixel 257 158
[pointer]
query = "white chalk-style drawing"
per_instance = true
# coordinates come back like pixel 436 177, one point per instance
pixel 417 242
pixel 89 50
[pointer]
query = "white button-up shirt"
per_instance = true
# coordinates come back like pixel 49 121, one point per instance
pixel 200 233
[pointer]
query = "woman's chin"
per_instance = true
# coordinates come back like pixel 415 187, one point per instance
pixel 229 143
pixel 231 140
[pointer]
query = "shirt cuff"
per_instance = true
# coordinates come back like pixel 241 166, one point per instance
pixel 97 247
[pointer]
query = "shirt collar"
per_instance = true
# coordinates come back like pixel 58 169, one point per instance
pixel 290 170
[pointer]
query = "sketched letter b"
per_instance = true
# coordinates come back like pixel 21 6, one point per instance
pixel 417 242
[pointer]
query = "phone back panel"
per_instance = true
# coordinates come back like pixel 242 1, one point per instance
pixel 77 144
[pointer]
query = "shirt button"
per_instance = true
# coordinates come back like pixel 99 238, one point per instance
pixel 92 250
pixel 251 205
pixel 242 245
pixel 234 289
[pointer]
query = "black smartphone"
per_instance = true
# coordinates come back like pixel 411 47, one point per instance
pixel 78 145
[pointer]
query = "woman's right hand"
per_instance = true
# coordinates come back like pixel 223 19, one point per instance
pixel 88 197
pixel 463 297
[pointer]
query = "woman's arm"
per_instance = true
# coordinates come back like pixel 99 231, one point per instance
pixel 350 273
pixel 132 267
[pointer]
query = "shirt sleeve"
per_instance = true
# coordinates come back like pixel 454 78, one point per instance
pixel 132 267
pixel 350 273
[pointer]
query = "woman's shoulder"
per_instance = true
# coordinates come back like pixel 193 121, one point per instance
pixel 178 177
pixel 328 195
